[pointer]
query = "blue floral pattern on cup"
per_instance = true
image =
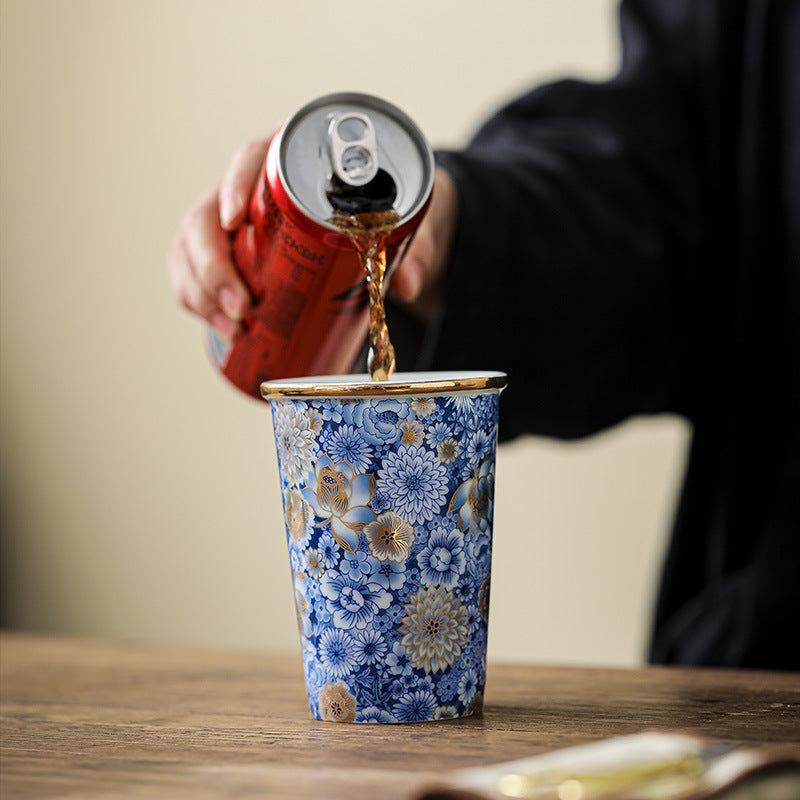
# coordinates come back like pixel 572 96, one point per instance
pixel 388 505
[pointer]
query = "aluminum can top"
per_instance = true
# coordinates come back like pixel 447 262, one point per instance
pixel 352 135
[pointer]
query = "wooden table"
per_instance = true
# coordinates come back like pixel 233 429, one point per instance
pixel 92 718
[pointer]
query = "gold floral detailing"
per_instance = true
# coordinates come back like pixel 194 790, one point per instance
pixel 336 704
pixel 423 406
pixel 389 537
pixel 448 450
pixel 434 629
pixel 296 432
pixel 315 566
pixel 297 513
pixel 412 432
pixel 341 498
pixel 333 490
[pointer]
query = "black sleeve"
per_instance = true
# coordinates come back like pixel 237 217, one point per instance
pixel 577 240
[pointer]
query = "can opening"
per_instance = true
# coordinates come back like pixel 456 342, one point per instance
pixel 377 195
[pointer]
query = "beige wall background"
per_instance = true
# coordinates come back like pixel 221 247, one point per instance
pixel 139 492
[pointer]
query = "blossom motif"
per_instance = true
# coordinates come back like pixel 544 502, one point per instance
pixel 390 574
pixel 480 445
pixel 378 420
pixel 297 428
pixel 370 647
pixel 337 652
pixel 356 565
pixel 434 629
pixel 398 661
pixel 445 712
pixel 389 537
pixel 415 481
pixel 297 515
pixel 347 444
pixel 463 405
pixel 340 497
pixel 336 704
pixel 411 432
pixel 353 603
pixel 374 714
pixel 329 550
pixel 474 500
pixel 415 706
pixel 480 551
pixel 443 560
pixel 315 565
pixel 467 686
pixel 437 433
pixel 423 406
pixel 448 450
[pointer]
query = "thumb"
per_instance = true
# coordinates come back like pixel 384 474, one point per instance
pixel 409 274
pixel 239 180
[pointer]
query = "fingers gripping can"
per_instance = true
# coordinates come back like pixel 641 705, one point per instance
pixel 309 312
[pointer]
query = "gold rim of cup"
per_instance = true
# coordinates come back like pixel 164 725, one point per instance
pixel 399 384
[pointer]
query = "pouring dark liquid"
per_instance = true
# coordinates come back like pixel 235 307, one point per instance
pixel 366 216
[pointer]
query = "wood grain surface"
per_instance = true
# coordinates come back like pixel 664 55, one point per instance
pixel 109 719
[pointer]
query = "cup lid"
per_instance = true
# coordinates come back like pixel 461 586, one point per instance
pixel 400 383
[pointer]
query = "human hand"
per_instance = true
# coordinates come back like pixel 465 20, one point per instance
pixel 202 273
pixel 205 279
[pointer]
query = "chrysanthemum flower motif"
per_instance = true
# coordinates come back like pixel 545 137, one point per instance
pixel 474 500
pixel 423 406
pixel 417 706
pixel 347 444
pixel 389 537
pixel 336 704
pixel 479 446
pixel 415 481
pixel 437 433
pixel 448 450
pixel 296 430
pixel 463 404
pixel 371 647
pixel 297 515
pixel 412 432
pixel 434 629
pixel 341 498
pixel 337 652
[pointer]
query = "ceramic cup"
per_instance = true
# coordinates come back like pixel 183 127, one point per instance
pixel 388 491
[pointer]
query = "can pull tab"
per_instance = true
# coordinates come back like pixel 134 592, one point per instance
pixel 353 148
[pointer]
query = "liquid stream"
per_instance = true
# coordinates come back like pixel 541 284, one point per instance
pixel 369 232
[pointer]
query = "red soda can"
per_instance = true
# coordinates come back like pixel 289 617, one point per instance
pixel 308 287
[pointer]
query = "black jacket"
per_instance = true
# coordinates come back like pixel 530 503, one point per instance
pixel 633 247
